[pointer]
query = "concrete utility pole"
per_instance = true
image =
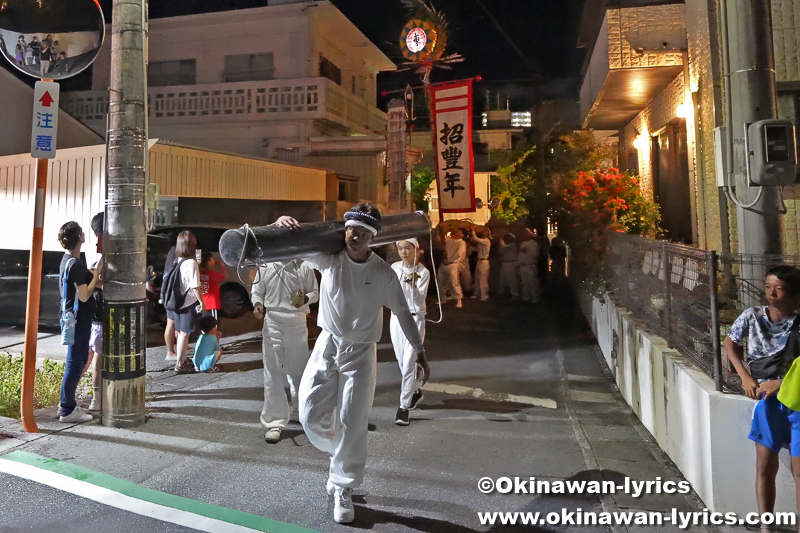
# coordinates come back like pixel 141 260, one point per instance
pixel 752 97
pixel 396 156
pixel 125 239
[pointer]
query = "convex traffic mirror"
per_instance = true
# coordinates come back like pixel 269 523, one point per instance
pixel 51 39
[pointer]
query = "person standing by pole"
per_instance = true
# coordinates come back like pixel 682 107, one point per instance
pixel 76 285
pixel 281 297
pixel 338 385
pixel 96 337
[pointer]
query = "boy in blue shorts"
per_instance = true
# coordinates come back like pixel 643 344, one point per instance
pixel 207 350
pixel 766 330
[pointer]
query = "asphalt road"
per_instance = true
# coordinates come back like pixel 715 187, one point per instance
pixel 202 440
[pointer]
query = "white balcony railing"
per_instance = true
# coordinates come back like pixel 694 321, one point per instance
pixel 305 98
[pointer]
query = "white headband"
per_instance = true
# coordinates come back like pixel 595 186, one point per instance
pixel 360 224
pixel 411 240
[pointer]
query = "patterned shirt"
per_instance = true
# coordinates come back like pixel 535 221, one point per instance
pixel 764 338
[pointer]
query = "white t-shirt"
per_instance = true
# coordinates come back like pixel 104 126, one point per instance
pixel 482 247
pixel 528 252
pixel 508 252
pixel 415 290
pixel 353 295
pixel 190 279
pixel 277 282
pixel 456 251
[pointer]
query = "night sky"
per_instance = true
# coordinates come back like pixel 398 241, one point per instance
pixel 515 45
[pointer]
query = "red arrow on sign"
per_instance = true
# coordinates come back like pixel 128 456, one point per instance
pixel 46 99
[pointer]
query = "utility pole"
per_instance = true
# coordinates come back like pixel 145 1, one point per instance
pixel 125 238
pixel 752 97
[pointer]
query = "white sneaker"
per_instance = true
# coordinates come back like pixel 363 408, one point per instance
pixel 171 358
pixel 75 416
pixel 330 488
pixel 95 405
pixel 273 435
pixel 343 512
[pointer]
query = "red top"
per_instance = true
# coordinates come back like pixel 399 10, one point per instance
pixel 209 287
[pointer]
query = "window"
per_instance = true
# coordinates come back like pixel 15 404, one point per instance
pixel 353 84
pixel 329 70
pixel 249 67
pixel 164 73
pixel 348 189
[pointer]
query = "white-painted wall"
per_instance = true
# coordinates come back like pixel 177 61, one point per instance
pixel 704 432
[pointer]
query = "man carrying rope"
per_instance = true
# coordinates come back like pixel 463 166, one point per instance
pixel 338 384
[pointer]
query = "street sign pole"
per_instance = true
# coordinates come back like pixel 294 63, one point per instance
pixel 43 147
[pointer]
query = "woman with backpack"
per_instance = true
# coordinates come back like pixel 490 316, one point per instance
pixel 188 283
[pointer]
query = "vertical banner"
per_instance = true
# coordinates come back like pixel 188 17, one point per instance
pixel 451 121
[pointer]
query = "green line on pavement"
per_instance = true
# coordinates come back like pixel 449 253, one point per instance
pixel 209 510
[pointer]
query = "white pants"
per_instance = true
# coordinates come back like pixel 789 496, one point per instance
pixel 529 276
pixel 285 354
pixel 406 358
pixel 465 276
pixel 508 280
pixel 336 395
pixel 482 279
pixel 449 281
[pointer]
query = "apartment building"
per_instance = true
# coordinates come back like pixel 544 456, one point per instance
pixel 293 81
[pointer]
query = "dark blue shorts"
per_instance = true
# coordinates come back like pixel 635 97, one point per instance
pixel 775 426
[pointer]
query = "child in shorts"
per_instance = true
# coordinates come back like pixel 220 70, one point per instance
pixel 766 330
pixel 207 350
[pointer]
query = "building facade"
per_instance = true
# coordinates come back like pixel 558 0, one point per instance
pixel 273 82
pixel 654 80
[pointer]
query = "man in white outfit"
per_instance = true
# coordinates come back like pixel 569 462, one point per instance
pixel 281 297
pixel 480 241
pixel 508 266
pixel 448 275
pixel 338 385
pixel 527 259
pixel 414 279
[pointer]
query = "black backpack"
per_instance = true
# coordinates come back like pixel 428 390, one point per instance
pixel 172 297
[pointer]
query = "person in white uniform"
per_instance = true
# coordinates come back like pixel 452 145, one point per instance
pixel 338 385
pixel 464 272
pixel 480 241
pixel 508 266
pixel 281 297
pixel 414 279
pixel 527 259
pixel 448 275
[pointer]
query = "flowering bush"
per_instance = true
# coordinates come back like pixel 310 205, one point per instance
pixel 608 198
pixel 595 200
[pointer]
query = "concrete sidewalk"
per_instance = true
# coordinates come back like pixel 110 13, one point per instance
pixel 516 391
